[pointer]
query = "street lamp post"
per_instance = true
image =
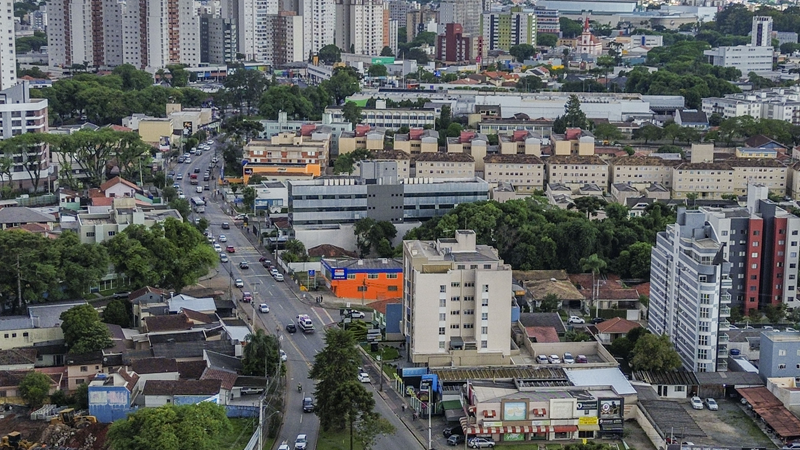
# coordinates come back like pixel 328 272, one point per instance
pixel 380 358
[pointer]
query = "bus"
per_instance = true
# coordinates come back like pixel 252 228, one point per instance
pixel 198 204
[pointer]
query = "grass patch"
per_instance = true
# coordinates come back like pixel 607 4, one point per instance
pixel 336 440
pixel 389 353
pixel 240 434
pixel 746 424
pixel 554 446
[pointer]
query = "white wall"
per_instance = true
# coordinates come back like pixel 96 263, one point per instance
pixel 343 236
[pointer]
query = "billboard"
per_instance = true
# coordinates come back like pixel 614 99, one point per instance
pixel 611 408
pixel 515 411
pixel 339 274
pixel 188 128
pixel 383 60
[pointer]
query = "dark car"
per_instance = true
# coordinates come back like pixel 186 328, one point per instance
pixel 597 320
pixel 455 439
pixel 196 170
pixel 226 226
pixel 244 265
pixel 266 263
pixel 455 429
pixel 291 328
pixel 308 404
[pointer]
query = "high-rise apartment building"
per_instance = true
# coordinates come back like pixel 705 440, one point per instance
pixel 505 28
pixel 417 18
pixel 219 39
pixel 547 20
pixel 398 10
pixel 359 26
pixel 456 301
pixel 394 27
pixel 319 19
pixel 8 57
pixel 20 114
pixel 466 12
pixel 761 35
pixel 250 15
pixel 713 259
pixel 285 31
pixel 456 46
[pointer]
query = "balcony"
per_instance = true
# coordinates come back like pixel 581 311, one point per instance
pixel 725 299
pixel 724 325
pixel 722 352
pixel 723 338
pixel 724 311
pixel 722 365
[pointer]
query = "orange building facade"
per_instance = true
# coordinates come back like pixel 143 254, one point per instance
pixel 370 279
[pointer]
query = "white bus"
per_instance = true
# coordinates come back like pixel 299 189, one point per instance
pixel 198 204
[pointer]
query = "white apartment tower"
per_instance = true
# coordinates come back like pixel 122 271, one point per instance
pixel 8 57
pixel 359 26
pixel 253 36
pixel 456 301
pixel 761 36
pixel 466 12
pixel 319 18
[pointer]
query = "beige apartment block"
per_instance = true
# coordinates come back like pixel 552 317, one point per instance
pixel 793 174
pixel 642 171
pixel 521 142
pixel 769 172
pixel 152 129
pixel 444 165
pixel 402 159
pixel 290 147
pixel 575 142
pixel 417 140
pixel 713 180
pixel 471 143
pixel 575 171
pixel 524 172
pixel 363 137
pixel 458 302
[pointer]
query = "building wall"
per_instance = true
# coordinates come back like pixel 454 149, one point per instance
pixel 746 58
pixel 29 336
pixel 779 355
pixel 151 131
pixel 641 176
pixel 109 403
pixel 82 374
pixel 8 56
pixel 442 169
pixel 524 177
pixel 576 175
pixel 319 17
pixel 371 284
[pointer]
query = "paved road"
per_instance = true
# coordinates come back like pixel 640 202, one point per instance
pixel 284 308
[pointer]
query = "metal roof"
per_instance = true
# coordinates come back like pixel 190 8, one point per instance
pixel 502 373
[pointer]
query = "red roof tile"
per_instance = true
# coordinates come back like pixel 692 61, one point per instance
pixel 616 325
pixel 542 334
pixel 117 180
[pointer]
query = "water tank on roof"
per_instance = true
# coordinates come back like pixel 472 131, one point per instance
pixel 735 352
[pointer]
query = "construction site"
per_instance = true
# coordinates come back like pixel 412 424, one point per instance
pixel 50 428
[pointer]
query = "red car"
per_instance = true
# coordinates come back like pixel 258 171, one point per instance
pixel 247 297
pixel 230 249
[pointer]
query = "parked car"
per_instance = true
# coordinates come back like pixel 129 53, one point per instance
pixel 581 359
pixel 238 283
pixel 364 377
pixel 481 442
pixel 792 446
pixel 308 404
pixel 541 359
pixel 278 277
pixel 575 319
pixel 122 294
pixel 283 355
pixel 179 177
pixel 273 272
pixel 455 429
pixel 568 359
pixel 712 404
pixel 266 263
pixel 456 439
pixel 554 359
pixel 697 403
pixel 356 314
pixel 291 328
pixel 251 390
pixel 264 308
pixel 244 265
pixel 597 320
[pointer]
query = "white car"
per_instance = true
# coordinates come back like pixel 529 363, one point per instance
pixel 541 359
pixel 301 442
pixel 568 359
pixel 575 319
pixel 554 359
pixel 697 403
pixel 357 314
pixel 278 277
pixel 223 258
pixel 238 283
pixel 182 196
pixel 222 238
pixel 364 377
pixel 283 355
pixel 199 189
pixel 712 404
pixel 264 308
pixel 217 248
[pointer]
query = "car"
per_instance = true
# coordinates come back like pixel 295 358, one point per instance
pixel 283 446
pixel 791 446
pixel 301 442
pixel 308 404
pixel 240 217
pixel 481 442
pixel 251 390
pixel 262 259
pixel 196 170
pixel 264 308
pixel 278 277
pixel 575 319
pixel 122 294
pixel 455 429
pixel 456 439
pixel 283 355
pixel 354 314
pixel 291 328
pixel 179 176
pixel 554 359
pixel 767 327
pixel 581 359
pixel 199 189
pixel 222 238
pixel 244 265
pixel 206 187
pixel 696 403
pixel 541 359
pixel 247 297
pixel 364 377
pixel 230 249
pixel 210 238
pixel 266 263
pixel 198 152
pixel 273 272
pixel 226 226
pixel 181 196
pixel 712 404
pixel 568 359
pixel 215 160
pixel 223 258
pixel 217 248
pixel 187 160
pixel 205 178
pixel 597 320
pixel 176 185
pixel 790 330
pixel 238 283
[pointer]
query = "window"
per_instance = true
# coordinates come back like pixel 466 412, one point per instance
pixel 754 266
pixel 454 326
pixel 455 312
pixel 484 316
pixel 754 255
pixel 781 366
pixel 372 276
pixel 442 303
pixel 469 312
pixel 702 278
pixel 487 266
pixel 484 344
pixel 485 302
pixel 755 243
pixel 84 369
pixel 485 288
pixel 455 284
pixel 468 325
pixel 391 288
pixel 781 352
pixel 484 330
pixel 442 317
pixel 679 388
pixel 705 313
pixel 442 288
pixel 441 331
pixel 351 276
pixel 441 345
pixel 702 340
pixel 756 232
pixel 455 298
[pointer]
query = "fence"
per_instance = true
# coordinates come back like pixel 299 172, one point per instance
pixel 234 411
pixel 41 200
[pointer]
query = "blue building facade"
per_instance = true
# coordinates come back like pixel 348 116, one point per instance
pixel 779 354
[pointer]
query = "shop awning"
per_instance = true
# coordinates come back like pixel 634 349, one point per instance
pixel 589 427
pixel 565 428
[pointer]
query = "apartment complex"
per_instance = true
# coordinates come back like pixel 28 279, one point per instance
pixel 100 224
pixel 575 142
pixel 457 46
pixel 642 171
pixel 306 151
pixel 577 171
pixel 525 172
pixel 774 103
pixel 379 194
pixel 756 57
pixel 319 21
pixel 284 44
pixel 547 20
pixel 8 55
pixel 391 118
pixel 467 320
pixel 363 137
pixel 731 176
pixel 504 28
pixel 444 165
pixel 712 259
pixel 219 40
pixel 520 142
pixel 360 26
pixel 20 114
pixel 471 143
pixel 467 13
pixel 417 140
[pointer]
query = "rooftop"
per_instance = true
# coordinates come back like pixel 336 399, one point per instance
pixel 392 155
pixel 616 325
pixel 639 161
pixel 542 320
pixel 364 264
pixel 154 365
pixel 624 187
pixel 512 159
pixel 182 387
pixel 21 214
pixel 49 315
pixel 171 322
pixel 443 157
pixel 592 160
pixel 610 376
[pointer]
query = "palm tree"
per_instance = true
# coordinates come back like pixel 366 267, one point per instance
pixel 594 264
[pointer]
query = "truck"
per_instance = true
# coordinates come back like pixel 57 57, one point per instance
pixel 304 323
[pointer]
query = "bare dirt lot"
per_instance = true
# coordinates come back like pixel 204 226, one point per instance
pixel 730 426
pixel 90 438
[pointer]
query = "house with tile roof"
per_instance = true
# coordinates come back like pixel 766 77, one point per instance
pixel 612 329
pixel 16 216
pixel 184 392
pixel 119 187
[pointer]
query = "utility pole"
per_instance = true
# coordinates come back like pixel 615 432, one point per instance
pixel 19 286
pixel 380 358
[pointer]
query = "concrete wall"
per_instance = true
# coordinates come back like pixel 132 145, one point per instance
pixel 647 425
pixel 576 348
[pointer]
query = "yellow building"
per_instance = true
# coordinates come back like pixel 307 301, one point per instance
pixel 521 142
pixel 574 142
pixel 523 171
pixel 713 180
pixel 576 171
pixel 416 141
pixel 362 137
pixel 471 143
pixel 303 153
pixel 641 171
pixel 152 129
pixel 444 165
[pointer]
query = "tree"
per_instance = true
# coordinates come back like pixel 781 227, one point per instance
pixel 116 313
pixel 342 84
pixel 550 303
pixel 634 262
pixel 284 98
pixel 345 161
pixel 387 51
pixel 352 113
pixel 199 426
pixel 80 266
pixel 249 197
pixel 530 83
pixel 35 388
pixel 588 205
pixel 370 428
pixel 546 39
pixel 607 132
pixel 655 353
pixel 648 132
pixel 377 70
pixel 375 236
pixel 775 314
pixel 330 54
pixel 182 206
pixel 261 357
pixel 594 264
pixel 179 76
pixel 132 78
pixel 522 52
pixel 418 55
pixel 577 336
pixel 83 330
pixel 570 28
pixel 573 115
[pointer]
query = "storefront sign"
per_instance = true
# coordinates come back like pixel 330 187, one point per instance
pixel 492 424
pixel 339 274
pixel 540 423
pixel 514 437
pixel 587 420
pixel 584 405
